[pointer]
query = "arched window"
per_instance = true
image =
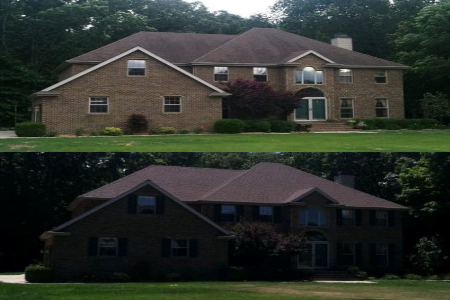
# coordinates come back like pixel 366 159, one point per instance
pixel 313 216
pixel 309 75
pixel 315 236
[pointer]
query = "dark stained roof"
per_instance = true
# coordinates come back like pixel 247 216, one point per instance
pixel 265 183
pixel 256 46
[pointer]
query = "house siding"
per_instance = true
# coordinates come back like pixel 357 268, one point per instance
pixel 69 254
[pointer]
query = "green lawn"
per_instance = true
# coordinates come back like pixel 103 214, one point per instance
pixel 398 290
pixel 386 141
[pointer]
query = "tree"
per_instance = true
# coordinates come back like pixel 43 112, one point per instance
pixel 428 258
pixel 258 100
pixel 435 106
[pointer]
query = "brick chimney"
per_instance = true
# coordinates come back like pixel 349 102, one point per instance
pixel 342 41
pixel 345 179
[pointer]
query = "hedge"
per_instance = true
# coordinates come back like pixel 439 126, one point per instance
pixel 39 274
pixel 282 126
pixel 395 124
pixel 229 126
pixel 30 129
pixel 257 126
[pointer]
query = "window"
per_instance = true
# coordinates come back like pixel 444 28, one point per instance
pixel 172 104
pixel 347 108
pixel 260 74
pixel 380 77
pixel 381 255
pixel 345 76
pixel 98 105
pixel 220 73
pixel 146 205
pixel 348 254
pixel 313 216
pixel 107 246
pixel 180 248
pixel 381 218
pixel 309 75
pixel 382 108
pixel 137 67
pixel 266 213
pixel 227 213
pixel 348 217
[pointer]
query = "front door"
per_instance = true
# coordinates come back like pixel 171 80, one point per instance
pixel 315 256
pixel 311 109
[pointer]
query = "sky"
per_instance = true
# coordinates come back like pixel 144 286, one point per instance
pixel 244 8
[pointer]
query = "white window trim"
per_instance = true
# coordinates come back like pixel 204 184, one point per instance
pixel 172 244
pixel 267 73
pixel 353 213
pixel 137 209
pixel 315 77
pixel 387 108
pixel 351 76
pixel 164 105
pixel 320 221
pixel 99 113
pixel 385 76
pixel 117 247
pixel 226 214
pixel 228 74
pixel 145 69
pixel 353 107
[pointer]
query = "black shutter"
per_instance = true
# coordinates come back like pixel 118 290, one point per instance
pixel 160 205
pixel 373 258
pixel 123 247
pixel 339 217
pixel 240 213
pixel 391 218
pixel 93 246
pixel 166 248
pixel 358 217
pixel 255 210
pixel 373 218
pixel 193 248
pixel 391 249
pixel 277 214
pixel 132 204
pixel 358 255
pixel 217 212
pixel 339 253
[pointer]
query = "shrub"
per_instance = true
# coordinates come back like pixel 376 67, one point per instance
pixel 119 277
pixel 80 132
pixel 391 277
pixel 198 130
pixel 51 134
pixel 394 124
pixel 184 132
pixel 257 126
pixel 413 277
pixel 167 130
pixel 39 274
pixel 229 126
pixel 112 131
pixel 282 126
pixel 236 274
pixel 137 123
pixel 30 129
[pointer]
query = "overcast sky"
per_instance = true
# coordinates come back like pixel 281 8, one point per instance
pixel 244 8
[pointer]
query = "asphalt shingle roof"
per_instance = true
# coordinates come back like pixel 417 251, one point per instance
pixel 265 183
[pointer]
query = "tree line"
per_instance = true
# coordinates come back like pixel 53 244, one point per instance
pixel 38 35
pixel 36 188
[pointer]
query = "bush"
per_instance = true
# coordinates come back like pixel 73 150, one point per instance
pixel 282 126
pixel 137 123
pixel 391 277
pixel 257 126
pixel 167 130
pixel 184 132
pixel 30 129
pixel 197 130
pixel 80 132
pixel 394 124
pixel 236 274
pixel 413 277
pixel 39 274
pixel 229 126
pixel 112 131
pixel 119 277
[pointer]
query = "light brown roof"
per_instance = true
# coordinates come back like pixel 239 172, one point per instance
pixel 265 183
pixel 256 46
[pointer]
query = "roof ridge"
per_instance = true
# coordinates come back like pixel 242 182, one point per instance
pixel 224 44
pixel 221 186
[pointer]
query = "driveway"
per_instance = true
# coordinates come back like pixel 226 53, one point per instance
pixel 7 134
pixel 13 278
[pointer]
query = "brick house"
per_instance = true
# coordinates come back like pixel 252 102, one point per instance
pixel 177 79
pixel 172 219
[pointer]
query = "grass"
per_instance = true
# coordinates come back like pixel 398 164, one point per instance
pixel 399 290
pixel 383 141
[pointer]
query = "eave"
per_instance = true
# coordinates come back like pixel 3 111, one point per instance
pixel 48 234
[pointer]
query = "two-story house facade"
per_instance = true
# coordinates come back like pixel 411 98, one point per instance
pixel 173 219
pixel 178 80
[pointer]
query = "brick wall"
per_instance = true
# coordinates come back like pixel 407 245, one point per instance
pixel 144 233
